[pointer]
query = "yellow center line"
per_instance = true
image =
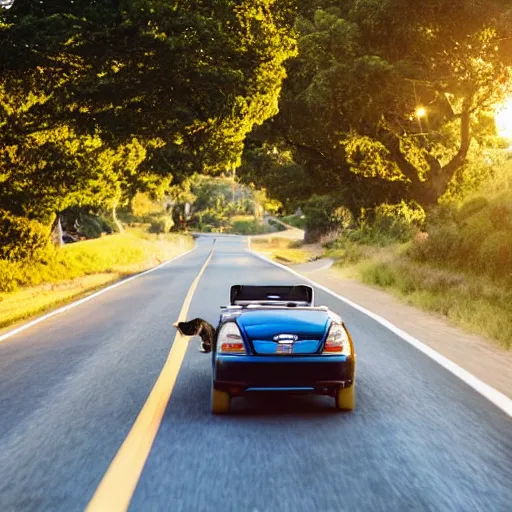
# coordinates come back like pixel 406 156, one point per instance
pixel 116 489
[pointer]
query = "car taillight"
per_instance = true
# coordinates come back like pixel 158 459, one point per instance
pixel 229 340
pixel 337 341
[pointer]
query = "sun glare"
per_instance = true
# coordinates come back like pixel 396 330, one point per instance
pixel 503 119
pixel 421 112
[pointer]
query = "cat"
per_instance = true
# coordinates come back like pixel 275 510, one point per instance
pixel 199 327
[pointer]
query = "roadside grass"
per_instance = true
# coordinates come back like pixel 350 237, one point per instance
pixel 350 253
pixel 75 270
pixel 284 250
pixel 459 265
pixel 475 303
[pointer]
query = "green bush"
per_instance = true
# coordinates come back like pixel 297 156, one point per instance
pixel 162 224
pixel 496 254
pixel 388 224
pixel 344 251
pixel 383 225
pixel 90 227
pixel 276 225
pixel 295 221
pixel 210 218
pixel 91 222
pixel 500 216
pixel 107 225
pixel 10 272
pixel 324 215
pixel 20 238
pixel 379 274
pixel 248 227
pixel 471 207
pixel 475 237
pixel 442 244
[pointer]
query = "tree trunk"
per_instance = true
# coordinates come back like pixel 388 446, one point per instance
pixel 427 193
pixel 56 232
pixel 118 224
pixel 440 177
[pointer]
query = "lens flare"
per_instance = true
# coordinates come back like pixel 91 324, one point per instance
pixel 503 119
pixel 421 112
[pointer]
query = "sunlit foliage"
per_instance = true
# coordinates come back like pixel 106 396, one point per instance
pixel 101 99
pixel 366 68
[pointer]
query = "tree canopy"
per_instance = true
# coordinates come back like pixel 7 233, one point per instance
pixel 369 101
pixel 388 99
pixel 99 99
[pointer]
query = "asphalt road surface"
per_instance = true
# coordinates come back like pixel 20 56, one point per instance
pixel 72 386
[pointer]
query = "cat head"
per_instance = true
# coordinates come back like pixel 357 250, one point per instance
pixel 187 328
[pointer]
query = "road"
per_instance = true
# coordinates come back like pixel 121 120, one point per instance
pixel 72 386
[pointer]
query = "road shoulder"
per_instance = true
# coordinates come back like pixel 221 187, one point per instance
pixel 476 354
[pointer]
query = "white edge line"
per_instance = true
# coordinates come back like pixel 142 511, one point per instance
pixel 493 395
pixel 89 297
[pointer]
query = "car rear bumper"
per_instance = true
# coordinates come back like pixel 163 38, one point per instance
pixel 301 374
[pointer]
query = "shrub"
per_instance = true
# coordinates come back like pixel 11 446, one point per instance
pixel 328 238
pixel 20 238
pixel 213 217
pixel 161 224
pixel 248 226
pixel 324 215
pixel 500 216
pixel 89 226
pixel 107 225
pixel 295 221
pixel 90 222
pixel 10 272
pixel 387 224
pixel 276 225
pixel 495 254
pixel 442 243
pixel 475 237
pixel 471 207
pixel 143 207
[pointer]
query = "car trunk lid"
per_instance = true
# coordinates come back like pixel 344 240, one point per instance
pixel 284 331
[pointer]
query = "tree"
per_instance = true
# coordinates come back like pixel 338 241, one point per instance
pixel 272 168
pixel 350 109
pixel 101 99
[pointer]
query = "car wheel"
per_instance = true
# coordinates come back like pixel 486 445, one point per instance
pixel 346 398
pixel 220 402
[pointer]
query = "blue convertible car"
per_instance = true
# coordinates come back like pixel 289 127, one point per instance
pixel 272 338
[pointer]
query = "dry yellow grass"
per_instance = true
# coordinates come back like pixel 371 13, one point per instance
pixel 135 253
pixel 473 302
pixel 288 252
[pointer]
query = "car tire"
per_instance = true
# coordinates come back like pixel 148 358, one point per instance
pixel 346 398
pixel 220 401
